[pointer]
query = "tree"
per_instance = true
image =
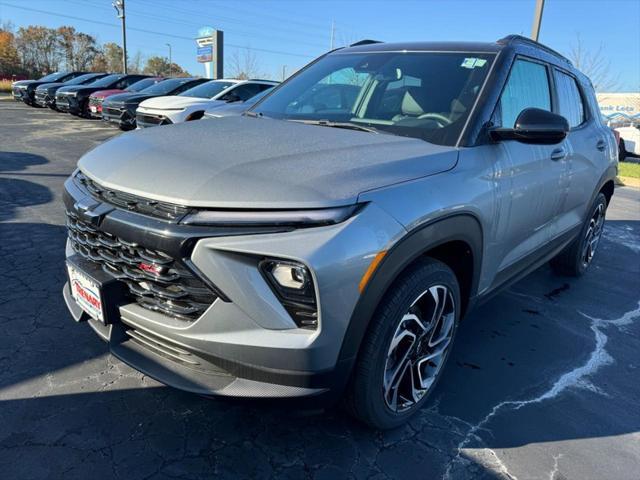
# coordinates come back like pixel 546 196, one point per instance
pixel 244 65
pixel 9 58
pixel 39 49
pixel 594 64
pixel 78 49
pixel 160 66
pixel 108 59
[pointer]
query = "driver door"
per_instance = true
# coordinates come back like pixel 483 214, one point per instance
pixel 531 180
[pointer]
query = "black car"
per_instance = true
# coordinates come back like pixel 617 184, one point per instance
pixel 121 109
pixel 46 93
pixel 25 89
pixel 75 99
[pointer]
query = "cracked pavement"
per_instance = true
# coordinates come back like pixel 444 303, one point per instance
pixel 543 382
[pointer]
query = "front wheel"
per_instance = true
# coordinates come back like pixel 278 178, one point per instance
pixel 406 346
pixel 576 258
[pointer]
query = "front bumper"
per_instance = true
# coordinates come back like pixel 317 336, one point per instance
pixel 67 103
pixel 121 116
pixel 42 99
pixel 145 120
pixel 245 343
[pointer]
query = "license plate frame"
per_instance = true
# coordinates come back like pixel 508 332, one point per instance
pixel 86 292
pixel 113 293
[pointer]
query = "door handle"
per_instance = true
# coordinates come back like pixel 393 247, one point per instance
pixel 558 154
pixel 601 145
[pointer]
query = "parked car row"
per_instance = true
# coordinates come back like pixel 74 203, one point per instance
pixel 135 100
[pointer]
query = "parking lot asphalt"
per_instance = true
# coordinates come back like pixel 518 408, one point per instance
pixel 543 382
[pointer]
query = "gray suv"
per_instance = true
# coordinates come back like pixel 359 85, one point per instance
pixel 327 242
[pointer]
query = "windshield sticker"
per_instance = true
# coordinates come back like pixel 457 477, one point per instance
pixel 473 62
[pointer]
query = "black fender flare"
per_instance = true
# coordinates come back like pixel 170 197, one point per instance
pixel 458 227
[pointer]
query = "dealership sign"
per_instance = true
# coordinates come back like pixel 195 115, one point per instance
pixel 205 54
pixel 620 106
pixel 210 51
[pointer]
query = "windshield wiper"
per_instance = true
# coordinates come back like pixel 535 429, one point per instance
pixel 249 113
pixel 328 123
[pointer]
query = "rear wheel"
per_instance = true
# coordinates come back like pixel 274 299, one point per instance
pixel 577 257
pixel 406 347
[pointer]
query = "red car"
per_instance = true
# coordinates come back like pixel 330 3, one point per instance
pixel 96 98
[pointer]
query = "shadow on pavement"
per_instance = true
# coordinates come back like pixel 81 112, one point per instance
pixel 16 161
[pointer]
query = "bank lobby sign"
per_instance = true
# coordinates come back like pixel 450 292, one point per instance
pixel 620 106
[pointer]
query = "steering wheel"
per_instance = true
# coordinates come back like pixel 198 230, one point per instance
pixel 441 119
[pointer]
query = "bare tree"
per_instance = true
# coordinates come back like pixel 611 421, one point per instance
pixel 595 65
pixel 244 65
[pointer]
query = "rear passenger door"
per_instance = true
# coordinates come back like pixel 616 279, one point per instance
pixel 585 145
pixel 531 179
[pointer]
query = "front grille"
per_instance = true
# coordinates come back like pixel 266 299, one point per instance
pixel 151 120
pixel 165 285
pixel 126 201
pixel 62 101
pixel 41 97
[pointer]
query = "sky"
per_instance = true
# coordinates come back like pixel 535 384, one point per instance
pixel 287 34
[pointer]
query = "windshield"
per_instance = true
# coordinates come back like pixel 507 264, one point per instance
pixel 82 79
pixel 426 95
pixel 52 77
pixel 167 86
pixel 207 90
pixel 142 84
pixel 107 81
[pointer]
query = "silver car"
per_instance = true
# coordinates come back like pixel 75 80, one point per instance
pixel 327 242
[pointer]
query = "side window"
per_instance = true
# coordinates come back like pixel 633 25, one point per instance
pixel 125 82
pixel 527 87
pixel 245 92
pixel 263 86
pixel 569 98
pixel 184 87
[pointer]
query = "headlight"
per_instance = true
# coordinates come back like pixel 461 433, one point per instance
pixel 298 218
pixel 293 285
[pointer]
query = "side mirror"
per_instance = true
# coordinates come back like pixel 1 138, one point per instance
pixel 534 125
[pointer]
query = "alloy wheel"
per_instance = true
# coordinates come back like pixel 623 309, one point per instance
pixel 593 235
pixel 419 348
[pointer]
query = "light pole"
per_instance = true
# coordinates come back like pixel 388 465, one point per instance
pixel 119 6
pixel 170 63
pixel 537 20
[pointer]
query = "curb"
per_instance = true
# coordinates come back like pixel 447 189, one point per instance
pixel 628 182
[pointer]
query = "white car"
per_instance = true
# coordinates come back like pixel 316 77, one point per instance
pixel 191 104
pixel 630 135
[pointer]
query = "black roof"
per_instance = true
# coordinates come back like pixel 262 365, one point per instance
pixel 488 47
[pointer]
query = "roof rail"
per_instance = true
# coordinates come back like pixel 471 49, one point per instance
pixel 510 39
pixel 261 80
pixel 364 42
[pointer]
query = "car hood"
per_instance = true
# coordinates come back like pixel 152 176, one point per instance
pixel 70 88
pixel 128 98
pixel 244 162
pixel 21 83
pixel 46 86
pixel 107 93
pixel 173 102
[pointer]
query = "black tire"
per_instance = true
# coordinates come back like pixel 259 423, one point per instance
pixel 571 261
pixel 622 151
pixel 366 398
